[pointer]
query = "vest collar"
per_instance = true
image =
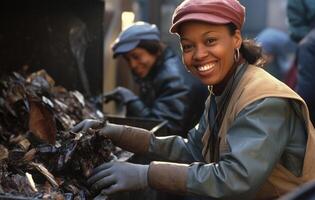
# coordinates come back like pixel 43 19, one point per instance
pixel 233 81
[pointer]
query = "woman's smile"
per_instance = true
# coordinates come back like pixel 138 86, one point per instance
pixel 206 68
pixel 208 50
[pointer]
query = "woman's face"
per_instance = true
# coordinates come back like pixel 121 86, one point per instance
pixel 140 61
pixel 208 50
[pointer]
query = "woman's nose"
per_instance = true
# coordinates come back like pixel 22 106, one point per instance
pixel 200 53
pixel 133 64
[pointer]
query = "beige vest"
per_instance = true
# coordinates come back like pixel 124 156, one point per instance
pixel 257 84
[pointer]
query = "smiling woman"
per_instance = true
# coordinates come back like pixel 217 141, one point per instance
pixel 167 90
pixel 209 52
pixel 254 140
pixel 142 58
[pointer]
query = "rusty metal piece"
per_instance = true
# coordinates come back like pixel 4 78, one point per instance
pixel 4 153
pixel 42 169
pixel 41 121
pixel 21 141
pixel 41 79
pixel 31 181
pixel 24 144
pixel 30 155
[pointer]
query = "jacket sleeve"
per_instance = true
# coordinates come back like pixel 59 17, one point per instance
pixel 257 139
pixel 305 76
pixel 299 24
pixel 170 103
pixel 178 149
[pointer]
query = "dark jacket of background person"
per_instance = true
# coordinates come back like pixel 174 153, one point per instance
pixel 301 17
pixel 170 93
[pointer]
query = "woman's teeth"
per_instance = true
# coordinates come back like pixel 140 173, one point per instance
pixel 205 67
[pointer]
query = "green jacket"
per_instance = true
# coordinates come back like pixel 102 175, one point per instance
pixel 301 17
pixel 255 148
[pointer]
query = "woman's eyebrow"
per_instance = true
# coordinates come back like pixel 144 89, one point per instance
pixel 207 32
pixel 203 34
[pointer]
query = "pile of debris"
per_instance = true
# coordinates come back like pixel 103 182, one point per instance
pixel 39 156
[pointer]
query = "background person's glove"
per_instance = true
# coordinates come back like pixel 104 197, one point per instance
pixel 118 176
pixel 120 95
pixel 86 124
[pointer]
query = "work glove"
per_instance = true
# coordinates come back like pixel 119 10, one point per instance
pixel 120 95
pixel 129 138
pixel 87 124
pixel 116 176
pixel 106 129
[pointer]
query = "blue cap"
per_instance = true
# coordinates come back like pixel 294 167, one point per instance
pixel 278 44
pixel 129 38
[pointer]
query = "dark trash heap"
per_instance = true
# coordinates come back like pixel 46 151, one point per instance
pixel 39 156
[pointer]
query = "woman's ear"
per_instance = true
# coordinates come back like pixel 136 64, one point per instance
pixel 237 37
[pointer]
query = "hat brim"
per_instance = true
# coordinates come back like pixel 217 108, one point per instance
pixel 204 17
pixel 124 48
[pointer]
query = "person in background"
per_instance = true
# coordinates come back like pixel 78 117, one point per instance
pixel 279 51
pixel 254 140
pixel 301 18
pixel 167 90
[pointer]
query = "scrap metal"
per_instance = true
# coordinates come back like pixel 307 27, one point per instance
pixel 39 157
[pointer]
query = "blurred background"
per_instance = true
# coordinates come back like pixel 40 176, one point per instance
pixel 71 39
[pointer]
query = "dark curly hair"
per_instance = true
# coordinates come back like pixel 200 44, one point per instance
pixel 250 50
pixel 154 47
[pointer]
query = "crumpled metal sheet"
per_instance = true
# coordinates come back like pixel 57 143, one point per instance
pixel 41 121
pixel 39 156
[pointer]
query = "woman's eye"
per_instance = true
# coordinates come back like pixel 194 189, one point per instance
pixel 135 57
pixel 210 41
pixel 187 47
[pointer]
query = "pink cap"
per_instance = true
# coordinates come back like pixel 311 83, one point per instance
pixel 212 11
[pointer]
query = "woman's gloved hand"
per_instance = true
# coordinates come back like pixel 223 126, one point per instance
pixel 86 124
pixel 120 95
pixel 107 129
pixel 111 131
pixel 129 138
pixel 118 176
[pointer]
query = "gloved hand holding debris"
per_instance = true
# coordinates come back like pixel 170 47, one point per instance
pixel 120 95
pixel 87 124
pixel 129 138
pixel 115 176
pixel 118 176
pixel 107 129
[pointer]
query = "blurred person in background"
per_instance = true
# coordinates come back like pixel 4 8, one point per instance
pixel 279 51
pixel 254 140
pixel 301 18
pixel 167 90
